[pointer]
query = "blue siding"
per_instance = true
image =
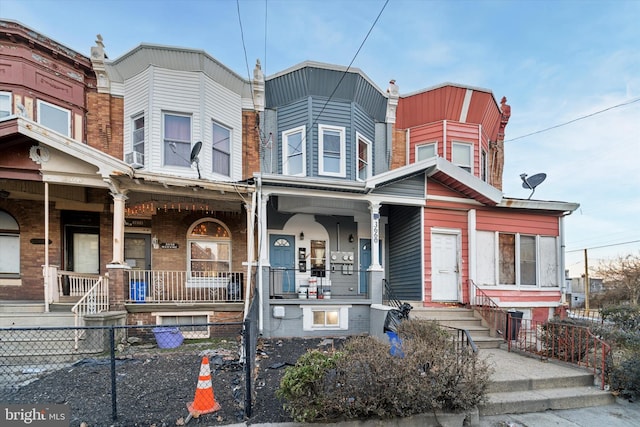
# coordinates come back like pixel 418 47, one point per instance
pixel 405 252
pixel 410 187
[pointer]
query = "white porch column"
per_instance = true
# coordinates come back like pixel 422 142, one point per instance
pixel 47 278
pixel 471 229
pixel 374 207
pixel 118 227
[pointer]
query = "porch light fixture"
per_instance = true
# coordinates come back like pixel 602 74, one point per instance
pixel 154 242
pixel 301 235
pixel 350 238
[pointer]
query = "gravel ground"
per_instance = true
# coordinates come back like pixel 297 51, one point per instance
pixel 154 386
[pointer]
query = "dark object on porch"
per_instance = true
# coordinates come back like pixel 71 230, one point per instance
pixel 395 316
pixel 515 320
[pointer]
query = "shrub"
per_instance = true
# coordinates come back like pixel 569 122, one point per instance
pixel 364 380
pixel 625 378
pixel 565 339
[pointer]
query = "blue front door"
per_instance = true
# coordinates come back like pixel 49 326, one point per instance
pixel 282 259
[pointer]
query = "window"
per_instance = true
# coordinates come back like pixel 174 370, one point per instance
pixel 364 158
pixel 426 151
pixel 221 150
pixel 192 325
pixel 138 134
pixel 293 155
pixel 318 258
pixel 5 104
pixel 528 260
pixel 209 249
pixel 54 117
pixel 484 167
pixel 331 151
pixel 177 140
pixel 9 246
pixel 325 317
pixel 517 259
pixel 461 156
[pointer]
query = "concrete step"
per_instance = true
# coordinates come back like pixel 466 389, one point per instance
pixel 431 313
pixel 579 380
pixel 545 399
pixel 21 307
pixel 487 342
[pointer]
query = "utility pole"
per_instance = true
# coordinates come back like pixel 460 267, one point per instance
pixel 586 281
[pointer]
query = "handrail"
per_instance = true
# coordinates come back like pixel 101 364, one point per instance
pixel 463 337
pixel 495 316
pixel 95 300
pixel 390 296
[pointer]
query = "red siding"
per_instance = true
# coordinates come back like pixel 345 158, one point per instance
pixel 484 110
pixel 443 103
pixel 431 132
pixel 513 296
pixel 516 222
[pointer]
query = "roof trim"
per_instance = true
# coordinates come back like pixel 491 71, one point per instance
pixel 538 205
pixel 445 84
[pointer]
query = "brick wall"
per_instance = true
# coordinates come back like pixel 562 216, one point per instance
pixel 399 148
pixel 105 123
pixel 251 144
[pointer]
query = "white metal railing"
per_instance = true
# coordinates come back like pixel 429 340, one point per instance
pixel 75 284
pixel 95 300
pixel 162 286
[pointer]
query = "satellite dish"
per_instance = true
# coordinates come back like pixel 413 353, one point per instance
pixel 194 156
pixel 532 182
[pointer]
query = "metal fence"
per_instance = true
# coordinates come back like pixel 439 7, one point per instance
pixel 126 375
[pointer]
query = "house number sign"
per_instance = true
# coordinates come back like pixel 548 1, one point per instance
pixel 169 246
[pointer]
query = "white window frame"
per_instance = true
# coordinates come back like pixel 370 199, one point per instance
pixel 203 279
pixel 187 332
pixel 8 97
pixel 165 140
pixel 67 127
pixel 421 146
pixel 308 316
pixel 341 173
pixel 136 133
pixel 517 260
pixel 303 150
pixel 368 161
pixel 468 146
pixel 215 150
pixel 9 245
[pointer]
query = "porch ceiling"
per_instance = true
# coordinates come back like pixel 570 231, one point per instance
pixel 315 205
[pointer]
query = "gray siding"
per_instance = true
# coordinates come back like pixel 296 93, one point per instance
pixel 413 186
pixel 289 117
pixel 405 252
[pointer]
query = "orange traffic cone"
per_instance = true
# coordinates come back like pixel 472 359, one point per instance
pixel 204 401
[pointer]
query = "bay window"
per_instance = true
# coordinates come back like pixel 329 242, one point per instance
pixel 426 151
pixel 364 158
pixel 176 139
pixel 54 117
pixel 331 151
pixel 461 156
pixel 221 150
pixel 293 151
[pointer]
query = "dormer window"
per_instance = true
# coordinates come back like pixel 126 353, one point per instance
pixel 461 156
pixel 331 151
pixel 293 151
pixel 177 139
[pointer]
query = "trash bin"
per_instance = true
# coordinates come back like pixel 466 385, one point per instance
pixel 514 324
pixel 168 337
pixel 137 290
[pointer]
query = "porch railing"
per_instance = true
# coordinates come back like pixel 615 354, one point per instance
pixel 96 300
pixel 75 284
pixel 286 283
pixel 166 286
pixel 560 340
pixel 495 316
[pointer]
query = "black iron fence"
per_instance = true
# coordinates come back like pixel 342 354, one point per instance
pixel 129 375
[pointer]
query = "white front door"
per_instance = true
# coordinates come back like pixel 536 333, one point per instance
pixel 444 267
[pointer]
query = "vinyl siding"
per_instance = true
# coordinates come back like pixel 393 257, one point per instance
pixel 136 101
pixel 517 222
pixel 405 245
pixel 411 187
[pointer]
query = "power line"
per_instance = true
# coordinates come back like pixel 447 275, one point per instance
pixel 574 120
pixel 605 246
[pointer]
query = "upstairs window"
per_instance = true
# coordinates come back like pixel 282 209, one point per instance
pixel 55 118
pixel 5 104
pixel 484 166
pixel 221 150
pixel 9 246
pixel 426 151
pixel 138 134
pixel 294 153
pixel 364 158
pixel 177 139
pixel 461 156
pixel 331 151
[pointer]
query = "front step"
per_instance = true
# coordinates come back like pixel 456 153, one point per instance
pixel 32 320
pixel 521 384
pixel 461 318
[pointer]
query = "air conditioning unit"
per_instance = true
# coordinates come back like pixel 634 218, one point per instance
pixel 135 159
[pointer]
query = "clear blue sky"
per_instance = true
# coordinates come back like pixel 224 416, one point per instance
pixel 555 61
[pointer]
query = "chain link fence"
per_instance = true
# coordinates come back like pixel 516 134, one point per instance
pixel 130 375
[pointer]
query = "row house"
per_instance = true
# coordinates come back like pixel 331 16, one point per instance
pixel 172 190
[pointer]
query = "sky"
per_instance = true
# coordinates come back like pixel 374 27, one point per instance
pixel 570 71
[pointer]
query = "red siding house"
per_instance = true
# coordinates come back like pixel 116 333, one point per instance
pixel 475 239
